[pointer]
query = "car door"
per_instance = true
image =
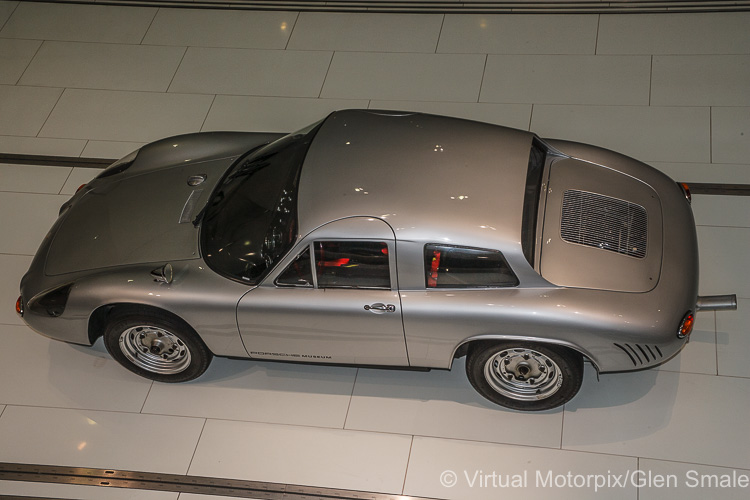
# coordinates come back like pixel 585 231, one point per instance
pixel 333 299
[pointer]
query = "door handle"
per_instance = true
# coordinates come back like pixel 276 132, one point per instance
pixel 379 307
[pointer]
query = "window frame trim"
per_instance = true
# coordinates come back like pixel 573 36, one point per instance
pixel 302 250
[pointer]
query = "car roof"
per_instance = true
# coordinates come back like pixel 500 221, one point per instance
pixel 432 178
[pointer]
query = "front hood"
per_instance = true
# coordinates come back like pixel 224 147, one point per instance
pixel 142 211
pixel 192 148
pixel 135 219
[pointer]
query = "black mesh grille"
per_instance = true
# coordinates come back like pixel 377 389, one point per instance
pixel 604 222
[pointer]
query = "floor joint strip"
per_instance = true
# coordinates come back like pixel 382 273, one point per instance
pixel 155 481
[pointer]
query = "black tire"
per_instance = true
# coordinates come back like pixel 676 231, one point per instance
pixel 525 376
pixel 156 346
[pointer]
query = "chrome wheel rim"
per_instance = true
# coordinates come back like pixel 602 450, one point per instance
pixel 523 374
pixel 155 349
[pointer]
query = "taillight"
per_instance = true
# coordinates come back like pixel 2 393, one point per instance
pixel 80 187
pixel 686 326
pixel 19 305
pixel 686 191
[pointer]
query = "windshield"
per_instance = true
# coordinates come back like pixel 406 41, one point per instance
pixel 250 221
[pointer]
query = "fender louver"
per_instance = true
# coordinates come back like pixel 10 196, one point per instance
pixel 604 222
pixel 641 353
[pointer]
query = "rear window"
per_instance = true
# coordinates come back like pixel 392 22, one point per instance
pixel 449 266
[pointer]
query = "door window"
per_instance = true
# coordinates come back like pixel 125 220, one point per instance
pixel 340 264
pixel 352 264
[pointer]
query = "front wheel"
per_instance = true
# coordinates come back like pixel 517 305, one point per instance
pixel 156 346
pixel 524 375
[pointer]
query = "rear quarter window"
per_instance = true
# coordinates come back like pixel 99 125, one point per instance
pixel 448 266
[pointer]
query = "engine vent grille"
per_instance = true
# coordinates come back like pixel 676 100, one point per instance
pixel 604 222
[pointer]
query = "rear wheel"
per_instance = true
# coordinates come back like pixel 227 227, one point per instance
pixel 156 346
pixel 524 375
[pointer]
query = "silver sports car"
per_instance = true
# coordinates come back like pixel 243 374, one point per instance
pixel 376 238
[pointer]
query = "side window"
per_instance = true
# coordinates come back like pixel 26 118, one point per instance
pixel 299 272
pixel 352 264
pixel 463 267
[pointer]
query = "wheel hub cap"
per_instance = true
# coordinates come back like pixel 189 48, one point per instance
pixel 523 374
pixel 155 349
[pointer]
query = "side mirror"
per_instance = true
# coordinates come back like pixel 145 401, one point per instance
pixel 163 274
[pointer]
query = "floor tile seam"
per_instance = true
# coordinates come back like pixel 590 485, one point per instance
pixel 393 52
pixel 70 159
pixel 628 106
pixel 56 193
pixel 716 341
pixel 525 446
pixel 197 444
pixel 440 35
pixel 538 54
pixel 259 421
pixel 722 226
pixel 538 103
pixel 325 77
pixel 51 110
pixel 31 192
pixel 13 11
pixel 711 134
pixel 92 42
pixel 562 426
pixel 531 117
pixel 459 439
pixel 60 192
pixel 406 472
pixel 700 374
pixel 208 112
pixel 145 399
pixel 596 39
pixel 670 54
pixel 291 32
pixel 31 60
pixel 169 93
pixel 401 99
pixel 719 164
pixel 740 377
pixel 351 398
pixel 481 79
pixel 651 86
pixel 694 463
pixel 151 23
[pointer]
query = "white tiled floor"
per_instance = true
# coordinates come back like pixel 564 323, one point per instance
pixel 569 79
pixel 99 81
